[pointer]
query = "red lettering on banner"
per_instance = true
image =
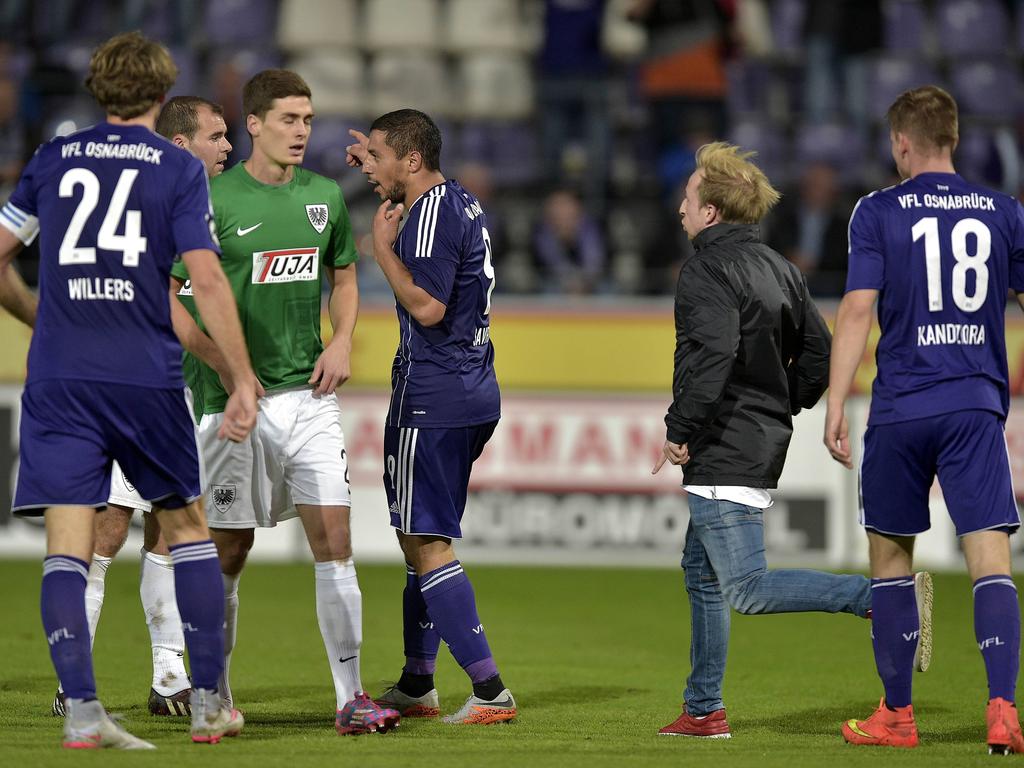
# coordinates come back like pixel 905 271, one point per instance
pixel 367 439
pixel 531 445
pixel 592 445
pixel 645 445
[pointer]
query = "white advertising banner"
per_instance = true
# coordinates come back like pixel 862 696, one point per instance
pixel 566 479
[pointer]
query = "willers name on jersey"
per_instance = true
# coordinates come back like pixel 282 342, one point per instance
pixel 100 289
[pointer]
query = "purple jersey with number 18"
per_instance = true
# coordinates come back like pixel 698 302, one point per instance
pixel 942 253
pixel 118 203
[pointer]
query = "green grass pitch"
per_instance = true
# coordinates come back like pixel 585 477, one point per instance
pixel 596 658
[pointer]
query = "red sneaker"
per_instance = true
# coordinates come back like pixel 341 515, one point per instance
pixel 713 726
pixel 1004 736
pixel 885 728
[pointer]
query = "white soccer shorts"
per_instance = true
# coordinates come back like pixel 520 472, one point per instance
pixel 123 493
pixel 295 455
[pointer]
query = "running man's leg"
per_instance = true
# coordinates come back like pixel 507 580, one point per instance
pixel 733 537
pixel 709 630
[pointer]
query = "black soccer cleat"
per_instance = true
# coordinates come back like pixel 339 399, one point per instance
pixel 59 706
pixel 175 705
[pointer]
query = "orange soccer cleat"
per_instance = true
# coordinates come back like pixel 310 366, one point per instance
pixel 885 728
pixel 1004 736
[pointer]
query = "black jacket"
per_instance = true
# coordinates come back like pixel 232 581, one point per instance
pixel 751 351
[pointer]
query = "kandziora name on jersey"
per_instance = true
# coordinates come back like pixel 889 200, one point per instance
pixel 950 333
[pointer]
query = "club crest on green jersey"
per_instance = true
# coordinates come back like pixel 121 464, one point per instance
pixel 318 216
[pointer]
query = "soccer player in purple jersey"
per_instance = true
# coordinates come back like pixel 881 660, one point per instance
pixel 197 125
pixel 938 255
pixel 445 402
pixel 112 206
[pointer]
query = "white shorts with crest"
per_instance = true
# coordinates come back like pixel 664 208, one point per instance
pixel 295 455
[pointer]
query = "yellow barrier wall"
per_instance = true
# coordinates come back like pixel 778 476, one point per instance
pixel 574 348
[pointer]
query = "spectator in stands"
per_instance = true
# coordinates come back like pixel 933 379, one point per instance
pixel 683 69
pixel 839 38
pixel 478 180
pixel 676 161
pixel 668 245
pixel 569 247
pixel 809 229
pixel 572 95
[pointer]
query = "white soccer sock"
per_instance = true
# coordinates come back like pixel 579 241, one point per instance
pixel 339 607
pixel 159 603
pixel 230 631
pixel 94 589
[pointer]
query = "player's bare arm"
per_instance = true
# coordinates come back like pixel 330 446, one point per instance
pixel 217 307
pixel 424 308
pixel 197 342
pixel 853 323
pixel 15 296
pixel 334 366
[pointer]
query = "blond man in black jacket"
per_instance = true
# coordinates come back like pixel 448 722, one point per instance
pixel 751 351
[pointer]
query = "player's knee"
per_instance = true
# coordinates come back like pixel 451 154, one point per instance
pixel 745 596
pixel 111 530
pixel 233 548
pixel 152 537
pixel 336 547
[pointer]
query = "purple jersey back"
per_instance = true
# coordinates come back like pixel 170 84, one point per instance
pixel 112 205
pixel 942 253
pixel 443 376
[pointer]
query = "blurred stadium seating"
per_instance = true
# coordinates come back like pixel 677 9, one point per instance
pixel 551 94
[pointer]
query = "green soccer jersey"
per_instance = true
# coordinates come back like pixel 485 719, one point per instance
pixel 275 240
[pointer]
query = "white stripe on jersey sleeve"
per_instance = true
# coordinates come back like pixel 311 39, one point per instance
pixel 428 212
pixel 428 223
pixel 21 225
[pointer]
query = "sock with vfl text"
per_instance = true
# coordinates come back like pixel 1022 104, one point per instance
pixel 197 585
pixel 894 631
pixel 452 606
pixel 62 603
pixel 421 639
pixel 997 629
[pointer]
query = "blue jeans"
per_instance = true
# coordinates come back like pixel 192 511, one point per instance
pixel 723 560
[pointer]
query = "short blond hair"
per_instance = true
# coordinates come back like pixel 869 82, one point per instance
pixel 733 184
pixel 928 115
pixel 130 73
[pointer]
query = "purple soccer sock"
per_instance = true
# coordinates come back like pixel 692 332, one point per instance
pixel 200 592
pixel 997 630
pixel 894 631
pixel 451 604
pixel 62 603
pixel 421 637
